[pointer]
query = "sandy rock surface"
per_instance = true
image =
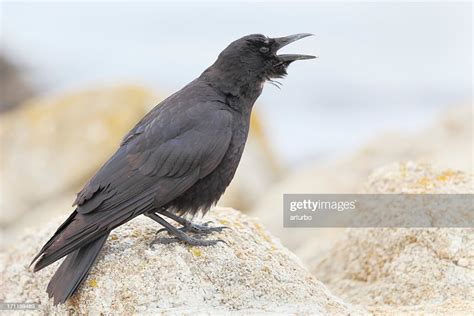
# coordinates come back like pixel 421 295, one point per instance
pixel 252 274
pixel 409 270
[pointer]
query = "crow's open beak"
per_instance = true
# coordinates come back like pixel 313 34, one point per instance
pixel 283 41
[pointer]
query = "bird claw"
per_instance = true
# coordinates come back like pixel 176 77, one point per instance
pixel 180 234
pixel 160 231
pixel 203 229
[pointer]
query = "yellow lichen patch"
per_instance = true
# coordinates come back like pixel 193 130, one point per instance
pixel 223 222
pixel 92 283
pixel 235 224
pixel 445 175
pixel 239 254
pixel 261 232
pixel 113 237
pixel 403 169
pixel 135 233
pixel 195 251
pixel 423 182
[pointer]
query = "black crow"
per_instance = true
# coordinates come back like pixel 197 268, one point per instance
pixel 177 161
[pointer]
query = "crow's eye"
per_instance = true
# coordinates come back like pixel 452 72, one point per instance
pixel 264 49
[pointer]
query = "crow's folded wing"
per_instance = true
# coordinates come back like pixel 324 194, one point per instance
pixel 178 147
pixel 157 161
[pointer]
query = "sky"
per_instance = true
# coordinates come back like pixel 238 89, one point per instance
pixel 381 66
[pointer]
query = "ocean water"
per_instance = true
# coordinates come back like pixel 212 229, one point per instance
pixel 381 67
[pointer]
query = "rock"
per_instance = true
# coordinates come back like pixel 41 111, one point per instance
pixel 420 178
pixel 446 144
pixel 407 270
pixel 252 274
pixel 14 88
pixel 53 145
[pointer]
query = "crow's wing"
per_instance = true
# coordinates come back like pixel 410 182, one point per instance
pixel 173 145
pixel 158 160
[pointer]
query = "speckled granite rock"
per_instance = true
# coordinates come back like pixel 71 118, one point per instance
pixel 405 270
pixel 252 274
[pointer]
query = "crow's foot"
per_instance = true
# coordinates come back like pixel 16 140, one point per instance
pixel 180 234
pixel 199 229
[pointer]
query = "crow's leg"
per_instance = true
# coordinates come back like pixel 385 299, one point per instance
pixel 179 235
pixel 189 226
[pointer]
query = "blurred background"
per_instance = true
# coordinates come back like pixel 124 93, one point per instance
pixel 393 82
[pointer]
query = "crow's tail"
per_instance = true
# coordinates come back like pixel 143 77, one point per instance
pixel 73 270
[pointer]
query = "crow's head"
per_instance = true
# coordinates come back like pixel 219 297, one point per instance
pixel 256 56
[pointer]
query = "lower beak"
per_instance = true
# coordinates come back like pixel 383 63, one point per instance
pixel 283 41
pixel 293 57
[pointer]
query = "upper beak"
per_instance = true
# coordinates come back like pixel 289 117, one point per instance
pixel 283 41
